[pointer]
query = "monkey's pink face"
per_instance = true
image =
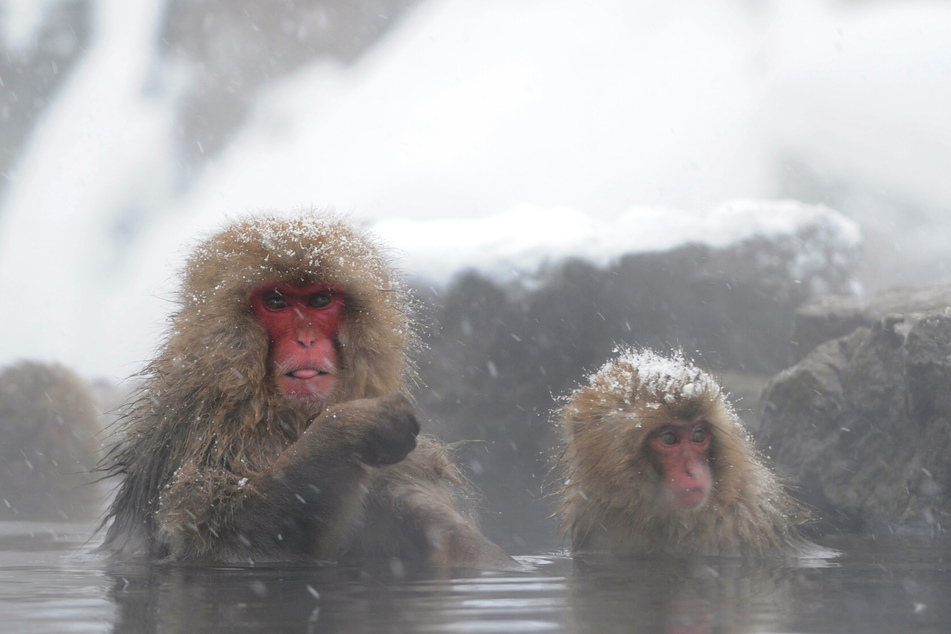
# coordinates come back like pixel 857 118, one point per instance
pixel 681 451
pixel 303 323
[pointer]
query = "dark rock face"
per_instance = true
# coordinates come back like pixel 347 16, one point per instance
pixel 234 47
pixel 502 355
pixel 31 76
pixel 863 422
pixel 228 50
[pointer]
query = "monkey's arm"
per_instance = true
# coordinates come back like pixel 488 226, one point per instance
pixel 301 507
pixel 419 497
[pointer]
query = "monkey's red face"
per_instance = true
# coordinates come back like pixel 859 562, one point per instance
pixel 681 451
pixel 303 323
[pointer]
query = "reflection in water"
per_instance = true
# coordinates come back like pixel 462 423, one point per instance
pixel 51 582
pixel 710 594
pixel 309 598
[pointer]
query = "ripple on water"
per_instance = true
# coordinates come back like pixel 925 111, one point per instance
pixel 51 582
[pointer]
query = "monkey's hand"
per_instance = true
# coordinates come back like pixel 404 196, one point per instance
pixel 314 489
pixel 381 430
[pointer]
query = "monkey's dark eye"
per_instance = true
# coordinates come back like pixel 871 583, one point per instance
pixel 699 436
pixel 668 438
pixel 275 302
pixel 319 300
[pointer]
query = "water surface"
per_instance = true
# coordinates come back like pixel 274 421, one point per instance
pixel 50 581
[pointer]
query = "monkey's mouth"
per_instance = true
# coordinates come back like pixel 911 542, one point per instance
pixel 308 383
pixel 305 374
pixel 690 498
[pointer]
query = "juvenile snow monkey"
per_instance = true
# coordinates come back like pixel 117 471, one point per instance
pixel 657 462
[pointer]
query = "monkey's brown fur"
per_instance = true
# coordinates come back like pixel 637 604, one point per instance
pixel 48 445
pixel 610 491
pixel 220 465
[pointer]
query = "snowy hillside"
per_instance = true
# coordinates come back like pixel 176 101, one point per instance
pixel 519 242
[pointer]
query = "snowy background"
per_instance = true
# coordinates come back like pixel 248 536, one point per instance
pixel 493 133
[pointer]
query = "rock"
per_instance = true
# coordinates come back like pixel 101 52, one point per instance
pixel 234 47
pixel 826 317
pixel 33 71
pixel 863 422
pixel 225 50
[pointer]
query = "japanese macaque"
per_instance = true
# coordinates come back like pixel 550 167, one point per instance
pixel 48 445
pixel 273 424
pixel 657 463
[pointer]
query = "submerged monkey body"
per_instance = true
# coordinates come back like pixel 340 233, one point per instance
pixel 617 496
pixel 223 458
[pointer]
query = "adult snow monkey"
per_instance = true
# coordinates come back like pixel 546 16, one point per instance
pixel 273 425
